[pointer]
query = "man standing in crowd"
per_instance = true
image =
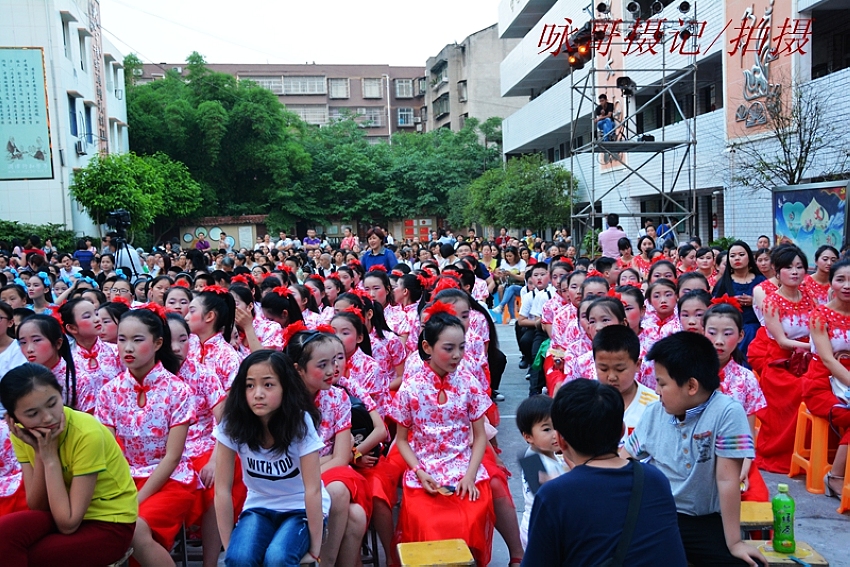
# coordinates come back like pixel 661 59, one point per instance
pixel 608 238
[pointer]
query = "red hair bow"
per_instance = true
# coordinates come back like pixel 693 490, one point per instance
pixel 431 272
pixel 728 301
pixel 58 316
pixel 659 258
pixel 334 276
pixel 325 328
pixel 355 311
pixel 156 308
pixel 240 279
pixel 283 268
pixel 183 283
pixel 282 291
pixel 445 283
pixel 216 289
pixel 397 273
pixel 438 307
pixel 121 299
pixel 355 264
pixel 293 329
pixel 378 268
pixel 594 273
pixel 317 277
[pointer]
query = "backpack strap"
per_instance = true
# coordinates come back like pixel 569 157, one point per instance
pixel 631 516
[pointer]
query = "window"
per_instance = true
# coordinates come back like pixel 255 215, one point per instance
pixel 405 117
pixel 83 51
pixel 88 135
pixel 272 83
pixel 304 85
pixel 110 85
pixel 423 113
pixel 372 88
pixel 463 118
pixel 404 88
pixel 311 113
pixel 339 88
pixel 72 114
pixel 461 91
pixel 372 116
pixel 66 37
pixel 420 85
pixel 441 105
pixel 440 74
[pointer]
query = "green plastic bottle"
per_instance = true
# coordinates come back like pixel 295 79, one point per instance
pixel 783 521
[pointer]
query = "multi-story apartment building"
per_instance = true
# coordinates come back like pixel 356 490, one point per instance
pixel 463 82
pixel 711 89
pixel 61 102
pixel 385 99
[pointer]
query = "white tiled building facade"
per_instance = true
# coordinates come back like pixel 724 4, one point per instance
pixel 544 123
pixel 82 120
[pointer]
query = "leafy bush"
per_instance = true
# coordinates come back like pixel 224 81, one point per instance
pixel 724 242
pixel 64 240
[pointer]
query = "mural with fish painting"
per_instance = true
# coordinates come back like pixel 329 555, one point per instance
pixel 810 215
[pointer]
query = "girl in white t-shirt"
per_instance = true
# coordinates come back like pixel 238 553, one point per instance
pixel 279 454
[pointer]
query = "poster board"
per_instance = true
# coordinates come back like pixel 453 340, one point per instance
pixel 25 148
pixel 811 215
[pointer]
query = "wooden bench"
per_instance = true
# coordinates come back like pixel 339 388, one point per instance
pixel 442 553
pixel 804 552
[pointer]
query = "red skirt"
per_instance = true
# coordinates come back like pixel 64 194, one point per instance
pixel 783 392
pixel 498 475
pixel 16 502
pixel 757 491
pixel 554 374
pixel 166 510
pixel 355 483
pixel 757 355
pixel 817 393
pixel 384 478
pixel 429 518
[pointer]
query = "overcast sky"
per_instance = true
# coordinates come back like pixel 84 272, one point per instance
pixel 396 32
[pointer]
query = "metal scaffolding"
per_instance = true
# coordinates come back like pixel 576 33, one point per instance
pixel 627 141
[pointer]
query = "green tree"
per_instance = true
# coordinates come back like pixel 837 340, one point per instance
pixel 152 188
pixel 235 137
pixel 528 192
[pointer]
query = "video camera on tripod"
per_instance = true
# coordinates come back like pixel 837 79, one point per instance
pixel 119 221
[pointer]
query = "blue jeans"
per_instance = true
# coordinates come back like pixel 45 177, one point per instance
pixel 509 295
pixel 606 125
pixel 267 538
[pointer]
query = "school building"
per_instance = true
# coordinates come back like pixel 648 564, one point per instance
pixel 691 84
pixel 61 102
pixel 384 99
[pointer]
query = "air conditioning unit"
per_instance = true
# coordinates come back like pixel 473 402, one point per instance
pixel 119 94
pixel 417 119
pixel 178 69
pixel 80 146
pixel 138 72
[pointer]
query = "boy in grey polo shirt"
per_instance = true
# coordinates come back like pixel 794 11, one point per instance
pixel 698 438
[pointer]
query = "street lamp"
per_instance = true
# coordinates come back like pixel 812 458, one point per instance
pixel 389 112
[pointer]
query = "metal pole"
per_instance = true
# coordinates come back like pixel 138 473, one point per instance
pixel 389 113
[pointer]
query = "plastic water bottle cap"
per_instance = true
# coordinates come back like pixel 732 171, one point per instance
pixel 783 488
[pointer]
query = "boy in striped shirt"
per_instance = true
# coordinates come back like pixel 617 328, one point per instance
pixel 698 438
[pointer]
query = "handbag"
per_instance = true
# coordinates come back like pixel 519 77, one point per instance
pixel 631 520
pixel 798 364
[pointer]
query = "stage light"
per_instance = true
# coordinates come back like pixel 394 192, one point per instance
pixel 603 7
pixel 633 8
pixel 685 7
pixel 656 7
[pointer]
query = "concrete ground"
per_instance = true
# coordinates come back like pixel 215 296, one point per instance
pixel 817 521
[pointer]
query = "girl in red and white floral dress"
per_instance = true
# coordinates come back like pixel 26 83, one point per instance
pixel 42 341
pixel 780 359
pixel 661 320
pixel 360 368
pixel 13 497
pixel 643 261
pixel 149 410
pixel 315 284
pixel 95 361
pixel 724 326
pixel 319 358
pixel 562 317
pixel 830 331
pixel 817 284
pixel 253 333
pixel 209 396
pixel 445 492
pixel 211 318
pixel 307 303
pixel 407 291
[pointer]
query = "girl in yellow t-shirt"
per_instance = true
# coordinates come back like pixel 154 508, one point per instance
pixel 81 498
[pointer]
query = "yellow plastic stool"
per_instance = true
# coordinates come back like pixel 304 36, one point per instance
pixel 814 457
pixel 442 553
pixel 756 516
pixel 845 491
